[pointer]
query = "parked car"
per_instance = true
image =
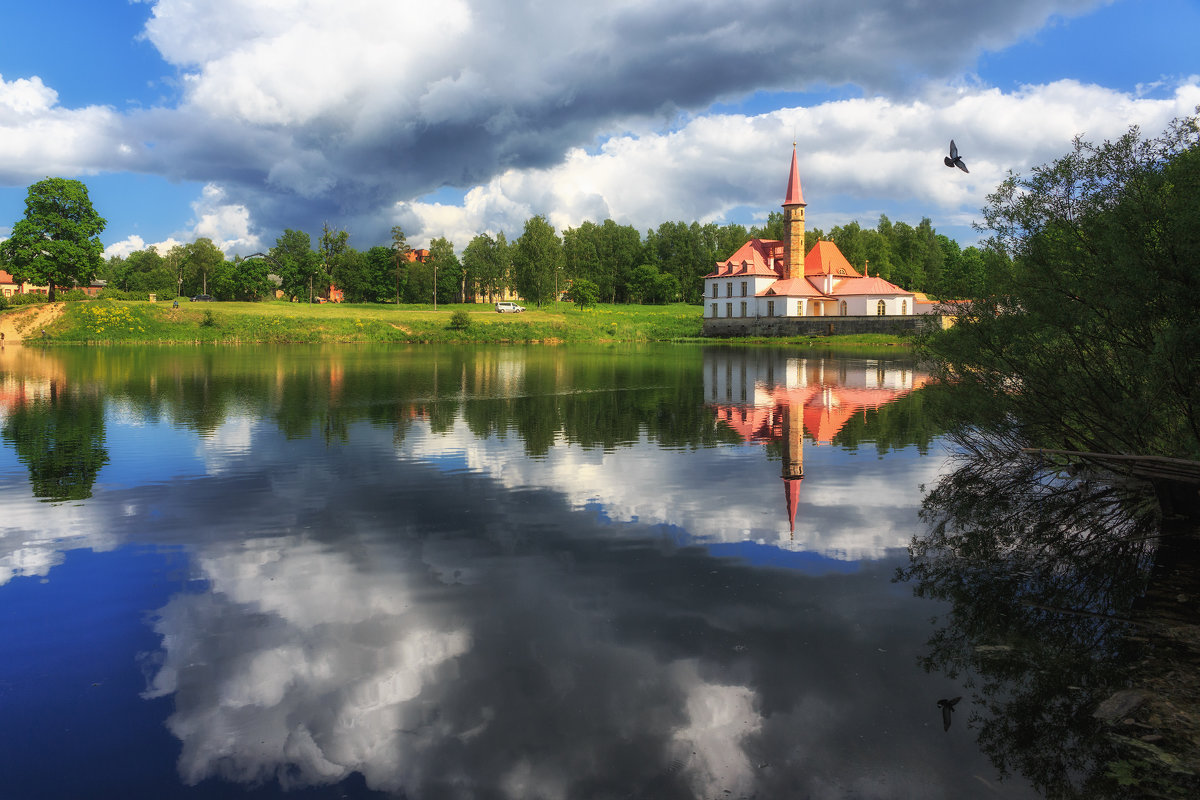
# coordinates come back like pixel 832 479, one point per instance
pixel 206 298
pixel 505 307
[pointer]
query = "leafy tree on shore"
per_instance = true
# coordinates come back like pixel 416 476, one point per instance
pixel 583 292
pixel 297 263
pixel 57 243
pixel 486 263
pixel 1091 335
pixel 537 261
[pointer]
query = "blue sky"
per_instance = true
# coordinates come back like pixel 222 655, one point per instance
pixel 235 119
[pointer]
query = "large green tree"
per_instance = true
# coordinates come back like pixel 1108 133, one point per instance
pixel 486 262
pixel 538 261
pixel 1091 334
pixel 198 262
pixel 293 256
pixel 57 243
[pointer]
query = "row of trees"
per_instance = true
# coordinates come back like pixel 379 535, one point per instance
pixel 57 244
pixel 613 262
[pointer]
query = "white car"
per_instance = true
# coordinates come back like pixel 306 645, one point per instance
pixel 506 307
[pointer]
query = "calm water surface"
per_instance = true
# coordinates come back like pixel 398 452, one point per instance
pixel 492 572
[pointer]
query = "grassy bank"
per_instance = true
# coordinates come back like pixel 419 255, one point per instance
pixel 110 321
pixel 107 321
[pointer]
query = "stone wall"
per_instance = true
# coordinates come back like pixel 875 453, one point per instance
pixel 724 327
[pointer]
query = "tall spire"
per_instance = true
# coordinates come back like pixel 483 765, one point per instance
pixel 793 222
pixel 795 196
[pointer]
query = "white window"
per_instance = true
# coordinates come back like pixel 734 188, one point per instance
pixel 880 308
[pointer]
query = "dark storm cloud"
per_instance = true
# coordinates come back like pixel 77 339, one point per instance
pixel 510 86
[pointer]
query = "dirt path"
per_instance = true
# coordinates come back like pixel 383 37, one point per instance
pixel 27 323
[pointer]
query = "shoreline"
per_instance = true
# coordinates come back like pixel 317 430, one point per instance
pixel 122 322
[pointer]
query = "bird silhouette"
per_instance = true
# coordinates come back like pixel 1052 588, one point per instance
pixel 953 159
pixel 947 707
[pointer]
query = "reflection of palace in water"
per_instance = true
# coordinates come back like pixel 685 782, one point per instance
pixel 768 396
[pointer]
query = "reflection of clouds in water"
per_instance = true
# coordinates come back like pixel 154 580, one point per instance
pixel 301 665
pixel 296 666
pixel 228 444
pixel 33 536
pixel 846 512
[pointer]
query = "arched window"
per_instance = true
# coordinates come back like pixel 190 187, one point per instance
pixel 844 308
pixel 903 307
pixel 880 308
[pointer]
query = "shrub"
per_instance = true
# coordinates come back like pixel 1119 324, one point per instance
pixel 460 320
pixel 208 320
pixel 31 299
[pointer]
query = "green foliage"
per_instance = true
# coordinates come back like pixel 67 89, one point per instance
pixel 584 292
pixel 1089 335
pixel 297 264
pixel 60 439
pixel 209 320
pixel 449 276
pixel 31 299
pixel 197 263
pixel 399 255
pixel 57 243
pixel 486 264
pixel 460 320
pixel 537 261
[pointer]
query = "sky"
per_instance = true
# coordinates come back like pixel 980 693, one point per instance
pixel 238 119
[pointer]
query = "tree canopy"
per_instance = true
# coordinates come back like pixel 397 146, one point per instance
pixel 537 261
pixel 57 243
pixel 1090 333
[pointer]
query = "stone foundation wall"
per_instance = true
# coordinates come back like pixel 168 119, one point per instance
pixel 725 327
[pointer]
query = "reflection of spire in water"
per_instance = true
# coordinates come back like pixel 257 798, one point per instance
pixel 793 459
pixel 769 397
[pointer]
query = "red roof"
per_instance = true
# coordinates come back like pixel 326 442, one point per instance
pixel 872 286
pixel 826 259
pixel 6 278
pixel 795 196
pixel 752 259
pixel 792 287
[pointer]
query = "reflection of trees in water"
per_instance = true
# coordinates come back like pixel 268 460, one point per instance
pixel 60 438
pixel 541 395
pixel 1049 569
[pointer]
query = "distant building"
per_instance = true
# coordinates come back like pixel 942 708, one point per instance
pixel 9 286
pixel 772 278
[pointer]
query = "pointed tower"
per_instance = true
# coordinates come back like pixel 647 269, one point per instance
pixel 793 222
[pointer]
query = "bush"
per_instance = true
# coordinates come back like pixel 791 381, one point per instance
pixel 460 320
pixel 32 299
pixel 208 320
pixel 118 294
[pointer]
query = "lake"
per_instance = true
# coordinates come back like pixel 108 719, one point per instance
pixel 492 572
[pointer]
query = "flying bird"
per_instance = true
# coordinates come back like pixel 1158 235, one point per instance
pixel 953 160
pixel 947 707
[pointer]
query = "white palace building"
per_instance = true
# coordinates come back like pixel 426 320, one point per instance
pixel 767 278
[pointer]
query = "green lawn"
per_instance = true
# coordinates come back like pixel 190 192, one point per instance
pixel 103 321
pixel 113 321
